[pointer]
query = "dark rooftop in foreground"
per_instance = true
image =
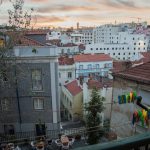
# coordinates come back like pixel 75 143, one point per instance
pixel 140 73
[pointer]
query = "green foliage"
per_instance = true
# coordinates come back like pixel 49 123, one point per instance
pixel 93 117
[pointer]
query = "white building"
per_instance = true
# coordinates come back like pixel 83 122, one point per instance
pixel 121 42
pixel 69 49
pixel 53 35
pixel 92 65
pixel 123 46
pixel 104 89
pixel 76 38
pixel 103 34
pixel 66 69
pixel 65 39
pixel 87 37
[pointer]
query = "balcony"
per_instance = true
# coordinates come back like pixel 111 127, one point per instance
pixel 138 142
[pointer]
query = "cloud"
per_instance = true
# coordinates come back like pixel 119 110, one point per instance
pixel 58 8
pixel 50 19
pixel 39 1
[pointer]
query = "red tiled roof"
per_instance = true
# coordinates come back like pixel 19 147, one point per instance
pixel 65 60
pixel 146 56
pixel 36 32
pixel 121 65
pixel 73 87
pixel 26 41
pixel 94 84
pixel 92 57
pixel 140 73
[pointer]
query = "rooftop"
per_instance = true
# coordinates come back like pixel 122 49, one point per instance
pixel 92 57
pixel 26 41
pixel 93 83
pixel 139 73
pixel 121 65
pixel 73 87
pixel 65 60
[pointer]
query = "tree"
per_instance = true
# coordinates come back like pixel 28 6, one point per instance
pixel 93 117
pixel 19 22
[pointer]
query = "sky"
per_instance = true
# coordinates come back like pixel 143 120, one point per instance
pixel 67 13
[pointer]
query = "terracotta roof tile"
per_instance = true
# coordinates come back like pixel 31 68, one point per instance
pixel 73 87
pixel 35 32
pixel 121 65
pixel 140 73
pixel 93 83
pixel 65 60
pixel 92 57
pixel 26 41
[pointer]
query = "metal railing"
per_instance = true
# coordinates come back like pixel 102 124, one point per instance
pixel 137 142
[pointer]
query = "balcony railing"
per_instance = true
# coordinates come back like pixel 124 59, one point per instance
pixel 137 142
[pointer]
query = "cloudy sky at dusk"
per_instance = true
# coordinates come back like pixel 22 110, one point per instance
pixel 87 12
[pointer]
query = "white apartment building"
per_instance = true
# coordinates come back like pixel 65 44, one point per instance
pixel 87 37
pixel 122 46
pixel 92 65
pixel 103 34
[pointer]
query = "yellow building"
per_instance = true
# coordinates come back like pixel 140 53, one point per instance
pixel 1 42
pixel 72 101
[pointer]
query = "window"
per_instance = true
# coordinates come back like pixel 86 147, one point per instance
pixel 144 43
pixel 113 53
pixel 81 67
pixel 123 48
pixel 69 74
pixel 133 38
pixel 5 104
pixel 91 48
pixel 4 76
pixel 38 103
pixel 123 58
pixel 96 48
pixel 116 48
pixel 68 51
pixel 139 43
pixel 59 75
pixel 97 66
pixel 70 104
pixel 9 129
pixel 128 48
pixel 129 53
pixel 118 53
pixel 134 53
pixel 134 43
pixel 62 51
pixel 89 66
pixel 36 80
